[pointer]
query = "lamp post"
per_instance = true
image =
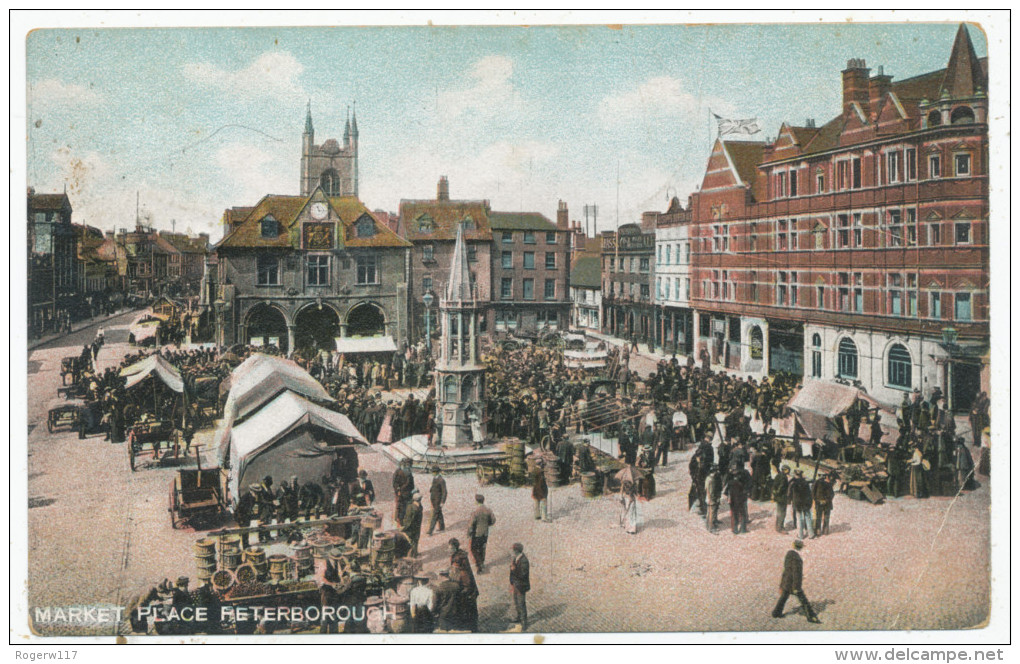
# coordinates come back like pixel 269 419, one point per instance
pixel 428 299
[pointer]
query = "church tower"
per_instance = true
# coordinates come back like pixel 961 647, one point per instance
pixel 331 165
pixel 460 375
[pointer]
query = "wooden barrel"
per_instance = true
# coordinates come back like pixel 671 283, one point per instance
pixel 223 580
pixel 255 555
pixel 230 543
pixel 205 547
pixel 231 560
pixel 399 614
pixel 302 552
pixel 321 551
pixel 590 486
pixel 373 521
pixel 205 574
pixel 552 472
pixel 383 542
pixel 278 566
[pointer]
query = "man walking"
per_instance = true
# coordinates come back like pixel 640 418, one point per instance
pixel 736 491
pixel 540 492
pixel 437 496
pixel 792 583
pixel 520 584
pixel 800 498
pixel 478 531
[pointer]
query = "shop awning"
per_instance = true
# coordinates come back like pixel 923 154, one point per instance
pixel 153 365
pixel 353 345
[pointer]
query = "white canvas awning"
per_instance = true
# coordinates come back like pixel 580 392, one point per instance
pixel 585 359
pixel 288 436
pixel 819 401
pixel 153 364
pixel 353 345
pixel 260 378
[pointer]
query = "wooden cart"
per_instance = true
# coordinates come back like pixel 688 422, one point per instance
pixel 196 493
pixel 158 439
pixel 68 367
pixel 64 414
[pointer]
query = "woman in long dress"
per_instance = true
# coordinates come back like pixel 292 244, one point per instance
pixel 386 430
pixel 629 517
pixel 917 486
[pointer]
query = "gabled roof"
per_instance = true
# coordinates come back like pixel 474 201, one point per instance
pixel 587 272
pixel 53 202
pixel 287 210
pixel 186 244
pixel 445 216
pixel 745 157
pixel 160 244
pixel 520 221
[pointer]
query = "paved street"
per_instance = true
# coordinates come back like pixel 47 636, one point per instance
pixel 99 533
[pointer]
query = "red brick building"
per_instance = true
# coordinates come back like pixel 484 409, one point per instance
pixel 856 250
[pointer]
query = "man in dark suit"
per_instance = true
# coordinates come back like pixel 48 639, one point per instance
pixel 403 485
pixel 448 603
pixel 411 525
pixel 520 583
pixel 437 495
pixel 792 583
pixel 478 532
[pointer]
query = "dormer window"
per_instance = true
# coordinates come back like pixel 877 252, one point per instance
pixel 270 226
pixel 469 224
pixel 365 226
pixel 425 224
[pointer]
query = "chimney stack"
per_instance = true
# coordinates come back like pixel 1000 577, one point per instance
pixel 562 216
pixel 878 86
pixel 855 84
pixel 443 189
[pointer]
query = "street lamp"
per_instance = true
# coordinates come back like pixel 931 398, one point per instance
pixel 428 299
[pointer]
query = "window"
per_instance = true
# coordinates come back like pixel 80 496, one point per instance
pixel 781 185
pixel 529 260
pixel 963 311
pixel 529 289
pixel 935 234
pixel 687 252
pixel 644 264
pixel 428 252
pixel 268 271
pixel 687 288
pixel 843 175
pixel 658 287
pixel 895 295
pixel 782 289
pixel 270 227
pixel 911 164
pixel 425 224
pixel 934 166
pixel 935 304
pixel 506 289
pixel 529 237
pixel 450 389
pixel 900 368
pixel 893 164
pixel 550 289
pixel 962 162
pixel 426 285
pixel 550 237
pixel 846 360
pixel 816 356
pixel 793 183
pixel 843 230
pixel 963 232
pixel 367 272
pixel 781 243
pixel 856 161
pixel 507 260
pixel 365 227
pixel 754 287
pixel 472 252
pixel 820 297
pixel 550 260
pixel 318 270
pixel 961 115
pixel 645 291
pixel 793 289
pixel 669 254
pixel 894 219
pixel 819 183
pixel 508 238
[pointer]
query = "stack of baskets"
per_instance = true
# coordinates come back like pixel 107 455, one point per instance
pixel 205 558
pixel 514 450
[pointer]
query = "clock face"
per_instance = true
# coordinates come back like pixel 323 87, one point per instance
pixel 319 210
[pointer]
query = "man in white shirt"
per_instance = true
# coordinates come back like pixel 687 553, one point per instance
pixel 422 604
pixel 679 429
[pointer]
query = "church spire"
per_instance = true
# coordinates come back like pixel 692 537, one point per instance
pixel 458 287
pixel 347 128
pixel 308 118
pixel 354 122
pixel 964 76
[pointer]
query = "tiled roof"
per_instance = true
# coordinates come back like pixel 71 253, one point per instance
pixel 587 272
pixel 186 244
pixel 159 243
pixel 286 210
pixel 520 221
pixel 48 201
pixel 445 216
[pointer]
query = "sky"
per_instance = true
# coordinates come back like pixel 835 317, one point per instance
pixel 196 120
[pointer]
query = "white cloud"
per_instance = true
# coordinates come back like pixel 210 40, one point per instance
pixel 271 74
pixel 490 89
pixel 251 172
pixel 51 92
pixel 656 99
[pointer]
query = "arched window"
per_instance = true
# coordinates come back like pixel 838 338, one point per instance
pixel 816 355
pixel 467 390
pixel 846 359
pixel 757 343
pixel 900 367
pixel 816 340
pixel 270 227
pixel 450 389
pixel 962 115
pixel 330 181
pixel 934 119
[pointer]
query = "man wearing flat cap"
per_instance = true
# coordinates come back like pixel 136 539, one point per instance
pixel 792 583
pixel 478 531
pixel 520 584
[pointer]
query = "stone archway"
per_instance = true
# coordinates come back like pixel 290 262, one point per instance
pixel 315 328
pixel 266 325
pixel 366 320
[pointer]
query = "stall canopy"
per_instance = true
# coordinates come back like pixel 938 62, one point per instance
pixel 156 366
pixel 144 327
pixel 585 359
pixel 261 378
pixel 288 436
pixel 353 345
pixel 818 402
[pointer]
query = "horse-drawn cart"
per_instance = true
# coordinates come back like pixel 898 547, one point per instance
pixel 197 492
pixel 149 439
pixel 65 414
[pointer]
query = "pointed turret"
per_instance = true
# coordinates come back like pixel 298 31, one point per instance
pixel 964 76
pixel 354 122
pixel 458 288
pixel 308 119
